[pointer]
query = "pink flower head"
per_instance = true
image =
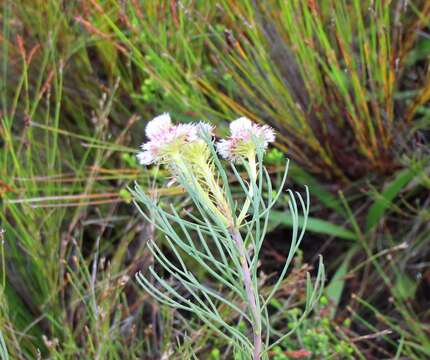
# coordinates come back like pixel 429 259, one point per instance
pixel 205 128
pixel 158 125
pixel 166 139
pixel 245 136
pixel 198 130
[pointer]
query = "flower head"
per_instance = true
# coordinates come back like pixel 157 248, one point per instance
pixel 244 139
pixel 157 126
pixel 166 140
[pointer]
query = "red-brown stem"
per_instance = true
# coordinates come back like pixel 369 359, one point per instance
pixel 250 294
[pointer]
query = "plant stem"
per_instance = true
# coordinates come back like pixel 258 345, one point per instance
pixel 250 294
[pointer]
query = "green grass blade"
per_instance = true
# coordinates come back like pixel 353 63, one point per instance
pixel 383 202
pixel 315 225
pixel 335 288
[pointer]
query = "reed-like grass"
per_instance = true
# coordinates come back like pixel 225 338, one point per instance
pixel 324 73
pixel 65 289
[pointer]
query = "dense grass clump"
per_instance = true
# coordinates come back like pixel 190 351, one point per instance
pixel 346 85
pixel 329 74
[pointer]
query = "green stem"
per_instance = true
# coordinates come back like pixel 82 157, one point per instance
pixel 251 295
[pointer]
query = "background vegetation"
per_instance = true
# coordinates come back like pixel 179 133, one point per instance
pixel 346 84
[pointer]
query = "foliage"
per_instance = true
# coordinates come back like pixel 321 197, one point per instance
pixel 214 242
pixel 325 74
pixel 76 76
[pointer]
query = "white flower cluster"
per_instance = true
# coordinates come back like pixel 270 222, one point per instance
pixel 244 135
pixel 164 137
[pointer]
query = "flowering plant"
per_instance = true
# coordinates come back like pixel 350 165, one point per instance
pixel 225 236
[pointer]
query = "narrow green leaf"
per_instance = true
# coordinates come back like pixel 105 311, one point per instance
pixel 383 202
pixel 3 349
pixel 319 191
pixel 334 289
pixel 314 225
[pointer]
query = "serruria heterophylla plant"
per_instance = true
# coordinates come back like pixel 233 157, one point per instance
pixel 224 235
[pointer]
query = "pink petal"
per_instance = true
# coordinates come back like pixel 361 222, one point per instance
pixel 158 126
pixel 203 128
pixel 225 147
pixel 268 133
pixel 145 158
pixel 240 126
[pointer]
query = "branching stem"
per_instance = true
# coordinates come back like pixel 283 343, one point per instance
pixel 250 294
